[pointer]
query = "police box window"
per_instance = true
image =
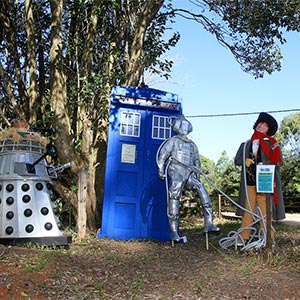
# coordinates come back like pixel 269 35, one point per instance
pixel 130 124
pixel 161 128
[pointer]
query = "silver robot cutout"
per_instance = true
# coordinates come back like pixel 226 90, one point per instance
pixel 178 162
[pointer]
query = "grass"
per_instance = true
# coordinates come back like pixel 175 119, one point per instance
pixel 137 269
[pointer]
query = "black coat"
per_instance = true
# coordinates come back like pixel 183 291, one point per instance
pixel 278 210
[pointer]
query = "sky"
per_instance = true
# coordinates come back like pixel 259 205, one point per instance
pixel 210 82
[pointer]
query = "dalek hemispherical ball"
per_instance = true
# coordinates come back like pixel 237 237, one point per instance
pixel 27 206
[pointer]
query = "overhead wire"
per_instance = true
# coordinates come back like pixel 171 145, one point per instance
pixel 242 113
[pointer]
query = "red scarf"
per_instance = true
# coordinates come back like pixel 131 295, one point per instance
pixel 273 152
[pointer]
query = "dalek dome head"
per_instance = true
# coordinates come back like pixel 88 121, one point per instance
pixel 19 138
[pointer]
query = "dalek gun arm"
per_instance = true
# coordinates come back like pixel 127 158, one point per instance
pixel 54 170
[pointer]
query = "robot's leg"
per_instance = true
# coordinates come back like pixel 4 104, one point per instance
pixel 208 219
pixel 207 210
pixel 173 215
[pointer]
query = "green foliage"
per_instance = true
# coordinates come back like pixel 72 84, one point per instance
pixel 231 180
pixel 224 175
pixel 255 27
pixel 289 135
pixel 90 66
pixel 290 177
pixel 208 167
pixel 156 46
pixel 251 30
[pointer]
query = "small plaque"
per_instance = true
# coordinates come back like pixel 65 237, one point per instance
pixel 128 153
pixel 265 178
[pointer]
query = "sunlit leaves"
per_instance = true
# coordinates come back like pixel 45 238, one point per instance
pixel 251 29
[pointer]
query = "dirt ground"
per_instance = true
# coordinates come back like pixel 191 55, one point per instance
pixel 108 269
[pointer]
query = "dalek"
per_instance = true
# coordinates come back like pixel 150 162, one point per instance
pixel 28 213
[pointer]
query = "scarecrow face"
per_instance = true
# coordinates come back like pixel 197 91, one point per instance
pixel 262 127
pixel 270 122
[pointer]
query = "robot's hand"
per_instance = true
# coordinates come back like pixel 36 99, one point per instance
pixel 249 162
pixel 161 174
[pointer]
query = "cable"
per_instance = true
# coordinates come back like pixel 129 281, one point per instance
pixel 257 239
pixel 242 114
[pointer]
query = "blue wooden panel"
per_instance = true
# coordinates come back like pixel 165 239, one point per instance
pixel 126 216
pixel 135 200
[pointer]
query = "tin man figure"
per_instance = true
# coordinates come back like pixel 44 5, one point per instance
pixel 181 157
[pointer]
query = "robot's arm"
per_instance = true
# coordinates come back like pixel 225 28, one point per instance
pixel 197 163
pixel 163 155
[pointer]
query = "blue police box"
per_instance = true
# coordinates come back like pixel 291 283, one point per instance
pixel 135 199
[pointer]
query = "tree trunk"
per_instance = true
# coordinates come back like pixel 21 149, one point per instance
pixel 88 154
pixel 85 125
pixel 31 61
pixel 10 30
pixel 10 94
pixel 135 67
pixel 63 138
pixel 58 91
pixel 40 105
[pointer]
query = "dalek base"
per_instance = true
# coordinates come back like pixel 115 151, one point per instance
pixel 49 241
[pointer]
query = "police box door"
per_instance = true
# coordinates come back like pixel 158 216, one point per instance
pixel 135 203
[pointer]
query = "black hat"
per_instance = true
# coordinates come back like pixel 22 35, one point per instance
pixel 272 123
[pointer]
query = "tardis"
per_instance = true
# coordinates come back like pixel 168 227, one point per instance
pixel 135 199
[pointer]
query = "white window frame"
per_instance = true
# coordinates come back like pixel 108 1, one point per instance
pixel 130 124
pixel 165 128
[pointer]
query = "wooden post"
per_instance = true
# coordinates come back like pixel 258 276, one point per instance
pixel 82 192
pixel 220 206
pixel 269 219
pixel 206 240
